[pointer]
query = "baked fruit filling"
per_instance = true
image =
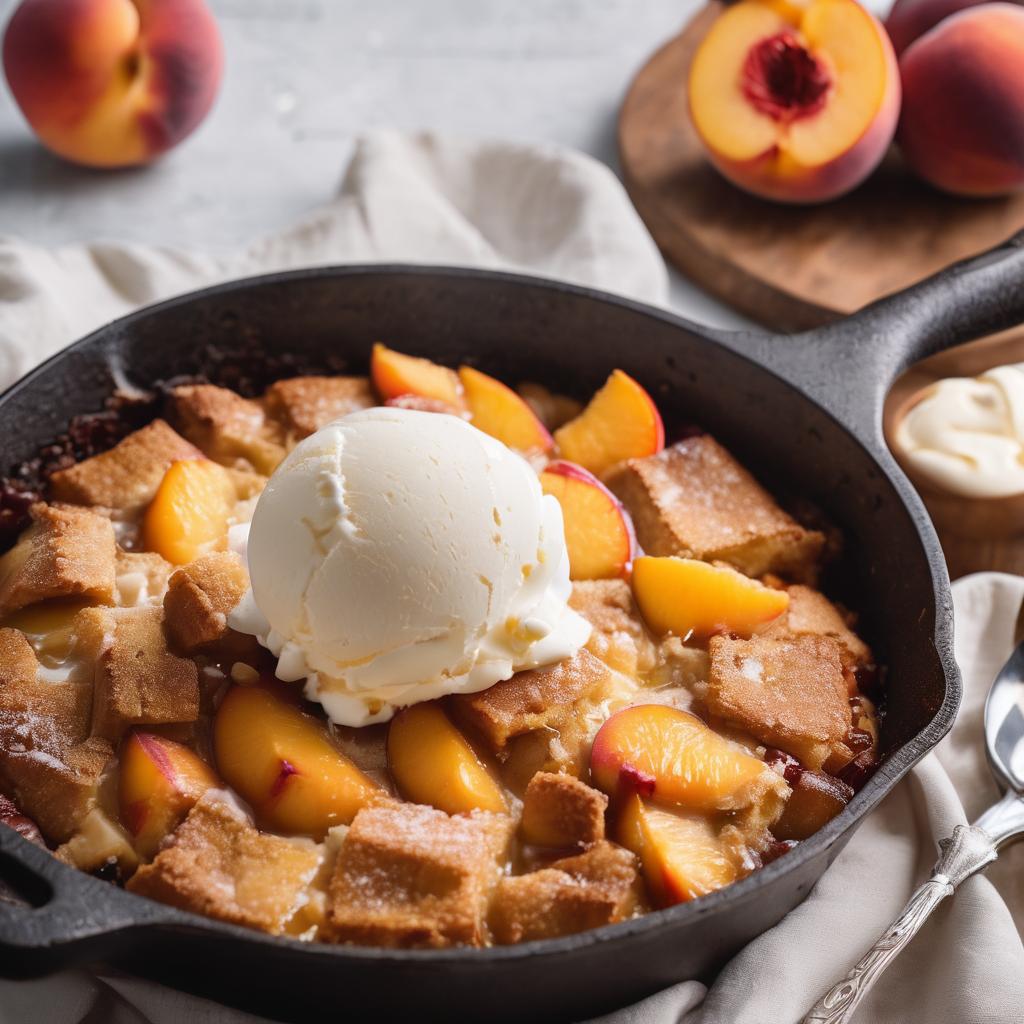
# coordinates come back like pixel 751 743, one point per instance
pixel 709 717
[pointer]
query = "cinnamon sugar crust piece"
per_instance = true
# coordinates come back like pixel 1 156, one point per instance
pixel 126 477
pixel 596 888
pixel 810 613
pixel 409 876
pixel 200 596
pixel 229 429
pixel 142 577
pixel 619 637
pixel 218 864
pixel 48 762
pixel 696 501
pixel 138 681
pixel 544 720
pixel 98 841
pixel 305 404
pixel 248 483
pixel 541 698
pixel 560 810
pixel 65 552
pixel 788 693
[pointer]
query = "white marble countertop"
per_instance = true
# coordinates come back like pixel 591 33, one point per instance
pixel 305 76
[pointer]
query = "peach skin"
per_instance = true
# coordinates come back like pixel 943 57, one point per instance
pixel 910 19
pixel 795 102
pixel 281 761
pixel 673 758
pixel 113 83
pixel 158 783
pixel 433 763
pixel 620 422
pixel 497 410
pixel 598 529
pixel 684 596
pixel 962 126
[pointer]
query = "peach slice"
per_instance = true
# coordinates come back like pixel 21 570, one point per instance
pixel 497 410
pixel 796 102
pixel 681 856
pixel 672 757
pixel 159 782
pixel 598 529
pixel 395 374
pixel 432 763
pixel 189 511
pixel 684 597
pixel 283 763
pixel 620 422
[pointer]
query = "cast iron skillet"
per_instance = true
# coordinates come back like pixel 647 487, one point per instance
pixel 804 412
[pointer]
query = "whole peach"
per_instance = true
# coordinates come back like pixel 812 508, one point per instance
pixel 962 124
pixel 910 19
pixel 113 83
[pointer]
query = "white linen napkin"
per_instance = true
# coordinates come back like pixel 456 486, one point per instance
pixel 558 213
pixel 536 208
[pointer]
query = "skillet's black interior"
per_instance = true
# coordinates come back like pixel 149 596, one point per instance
pixel 568 338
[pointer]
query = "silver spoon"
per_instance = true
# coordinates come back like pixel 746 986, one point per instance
pixel 968 850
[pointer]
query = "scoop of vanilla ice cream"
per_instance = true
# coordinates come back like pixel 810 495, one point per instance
pixel 397 556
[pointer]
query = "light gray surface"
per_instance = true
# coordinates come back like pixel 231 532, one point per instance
pixel 305 76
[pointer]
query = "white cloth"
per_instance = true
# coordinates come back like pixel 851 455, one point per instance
pixel 534 208
pixel 558 213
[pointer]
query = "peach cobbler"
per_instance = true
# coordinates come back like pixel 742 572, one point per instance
pixel 419 660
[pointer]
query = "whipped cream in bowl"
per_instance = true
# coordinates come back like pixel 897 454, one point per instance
pixel 397 556
pixel 965 435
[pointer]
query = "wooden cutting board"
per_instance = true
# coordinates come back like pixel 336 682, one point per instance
pixel 793 267
pixel 788 267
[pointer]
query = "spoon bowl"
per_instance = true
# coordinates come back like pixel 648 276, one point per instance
pixel 970 849
pixel 1004 723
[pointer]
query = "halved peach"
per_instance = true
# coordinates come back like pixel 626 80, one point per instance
pixel 620 422
pixel 598 529
pixel 684 597
pixel 158 783
pixel 281 760
pixel 672 757
pixel 795 101
pixel 189 512
pixel 497 410
pixel 680 854
pixel 433 763
pixel 395 374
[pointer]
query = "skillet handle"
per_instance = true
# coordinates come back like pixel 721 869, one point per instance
pixel 55 916
pixel 849 365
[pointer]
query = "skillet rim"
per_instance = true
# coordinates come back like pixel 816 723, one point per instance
pixel 896 765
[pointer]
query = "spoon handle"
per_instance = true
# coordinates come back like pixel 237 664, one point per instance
pixel 966 852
